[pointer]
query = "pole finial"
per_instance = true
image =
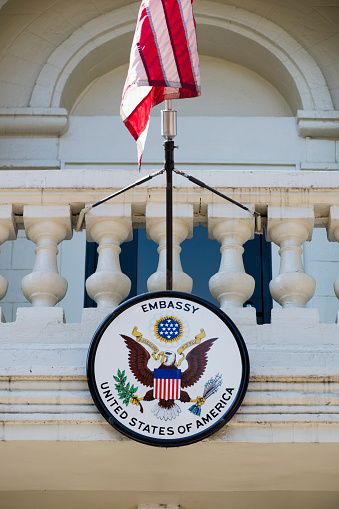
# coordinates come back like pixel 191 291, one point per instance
pixel 168 121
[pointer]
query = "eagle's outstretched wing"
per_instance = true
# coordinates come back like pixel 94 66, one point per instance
pixel 138 358
pixel 197 361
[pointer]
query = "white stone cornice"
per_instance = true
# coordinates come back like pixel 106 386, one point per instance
pixel 318 124
pixel 30 164
pixel 107 181
pixel 262 188
pixel 33 121
pixel 319 166
pixel 29 400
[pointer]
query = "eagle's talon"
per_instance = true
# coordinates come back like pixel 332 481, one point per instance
pixel 135 400
pixel 199 400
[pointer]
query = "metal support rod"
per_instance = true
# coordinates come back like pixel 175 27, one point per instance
pixel 84 211
pixel 202 184
pixel 257 216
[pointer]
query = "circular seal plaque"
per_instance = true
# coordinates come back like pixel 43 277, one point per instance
pixel 167 369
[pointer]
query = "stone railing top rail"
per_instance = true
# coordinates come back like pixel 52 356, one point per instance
pixel 83 180
pixel 260 188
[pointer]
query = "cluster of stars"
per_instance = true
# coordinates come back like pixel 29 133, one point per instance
pixel 168 328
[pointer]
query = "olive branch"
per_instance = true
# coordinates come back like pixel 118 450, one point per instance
pixel 125 392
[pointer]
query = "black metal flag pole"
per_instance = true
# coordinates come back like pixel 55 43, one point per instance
pixel 169 131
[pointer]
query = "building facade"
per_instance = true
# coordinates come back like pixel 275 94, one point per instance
pixel 265 131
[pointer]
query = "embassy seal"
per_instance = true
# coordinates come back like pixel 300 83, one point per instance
pixel 167 369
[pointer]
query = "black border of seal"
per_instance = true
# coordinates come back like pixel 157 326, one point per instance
pixel 197 437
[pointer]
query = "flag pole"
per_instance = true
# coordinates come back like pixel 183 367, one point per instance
pixel 169 131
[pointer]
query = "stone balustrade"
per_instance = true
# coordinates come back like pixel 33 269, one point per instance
pixel 293 390
pixel 46 205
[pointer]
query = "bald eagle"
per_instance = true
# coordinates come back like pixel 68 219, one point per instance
pixel 138 357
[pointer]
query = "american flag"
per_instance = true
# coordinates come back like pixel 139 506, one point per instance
pixel 164 63
pixel 167 383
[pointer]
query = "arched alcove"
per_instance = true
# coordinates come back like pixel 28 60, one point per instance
pixel 238 48
pixel 233 35
pixel 228 89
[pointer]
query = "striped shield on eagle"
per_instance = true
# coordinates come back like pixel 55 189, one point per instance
pixel 167 384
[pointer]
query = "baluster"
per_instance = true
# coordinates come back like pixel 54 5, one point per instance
pixel 46 226
pixel 289 228
pixel 8 231
pixel 156 230
pixel 232 227
pixel 333 236
pixel 109 226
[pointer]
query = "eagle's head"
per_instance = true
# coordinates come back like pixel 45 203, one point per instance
pixel 169 359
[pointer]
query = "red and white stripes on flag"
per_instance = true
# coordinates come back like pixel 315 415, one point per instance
pixel 164 63
pixel 167 383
